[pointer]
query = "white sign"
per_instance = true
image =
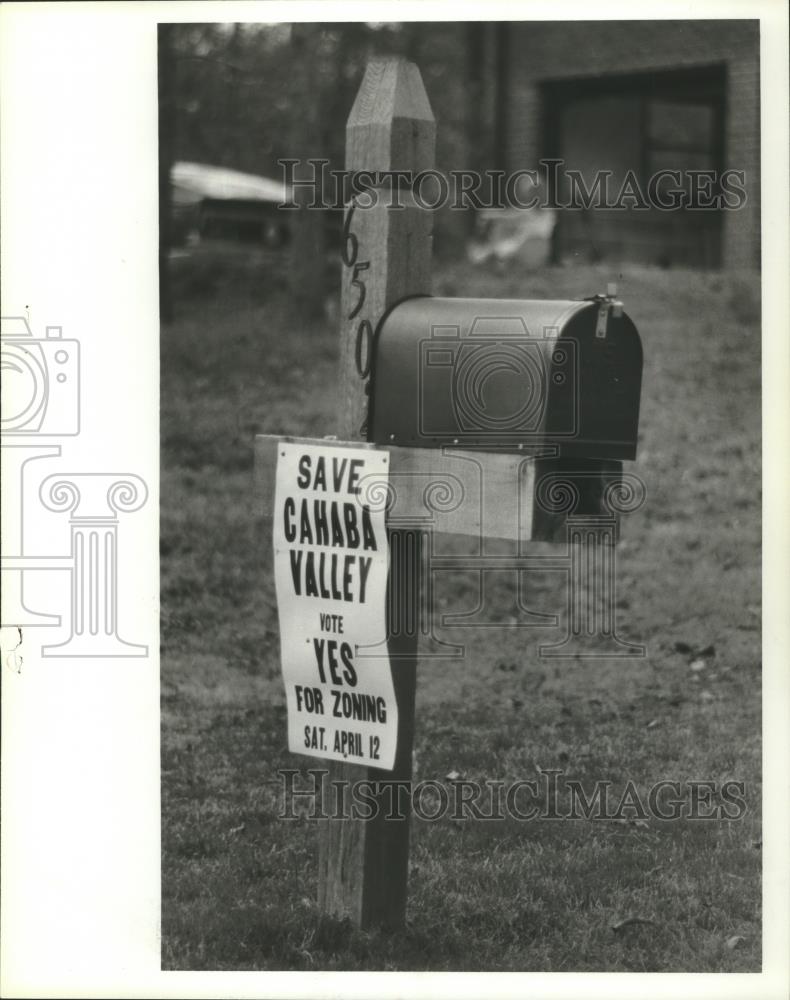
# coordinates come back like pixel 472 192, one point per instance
pixel 330 563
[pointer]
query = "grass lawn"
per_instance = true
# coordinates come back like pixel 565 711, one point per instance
pixel 239 884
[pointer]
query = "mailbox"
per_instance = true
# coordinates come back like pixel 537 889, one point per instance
pixel 557 376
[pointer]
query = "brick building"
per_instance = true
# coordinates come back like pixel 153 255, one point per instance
pixel 641 95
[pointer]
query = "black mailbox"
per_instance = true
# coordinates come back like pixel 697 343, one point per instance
pixel 508 374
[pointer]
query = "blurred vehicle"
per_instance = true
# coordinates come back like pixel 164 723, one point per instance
pixel 219 206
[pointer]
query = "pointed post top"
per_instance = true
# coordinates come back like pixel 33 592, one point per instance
pixel 391 125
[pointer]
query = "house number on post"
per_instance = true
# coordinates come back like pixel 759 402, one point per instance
pixel 363 350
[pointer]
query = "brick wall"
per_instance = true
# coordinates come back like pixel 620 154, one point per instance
pixel 555 51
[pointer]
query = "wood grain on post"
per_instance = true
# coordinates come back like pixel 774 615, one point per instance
pixel 390 128
pixel 363 864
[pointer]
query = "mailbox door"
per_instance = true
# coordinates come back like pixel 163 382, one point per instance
pixel 609 379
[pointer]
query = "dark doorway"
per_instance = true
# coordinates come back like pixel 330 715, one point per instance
pixel 644 123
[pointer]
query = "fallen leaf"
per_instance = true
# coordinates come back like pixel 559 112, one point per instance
pixel 734 941
pixel 653 723
pixel 539 681
pixel 453 776
pixel 698 664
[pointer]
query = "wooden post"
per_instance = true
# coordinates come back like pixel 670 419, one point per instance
pixel 386 252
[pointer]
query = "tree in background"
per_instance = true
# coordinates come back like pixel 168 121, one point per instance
pixel 306 272
pixel 166 138
pixel 247 95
